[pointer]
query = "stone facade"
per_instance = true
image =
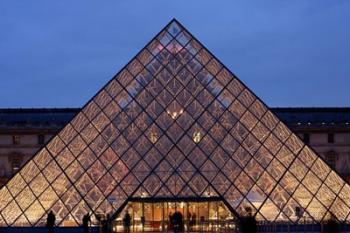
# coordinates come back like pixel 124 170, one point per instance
pixel 337 154
pixel 24 131
pixel 326 130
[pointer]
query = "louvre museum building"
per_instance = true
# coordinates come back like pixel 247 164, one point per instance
pixel 174 131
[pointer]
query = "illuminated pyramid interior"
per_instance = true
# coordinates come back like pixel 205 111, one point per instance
pixel 174 123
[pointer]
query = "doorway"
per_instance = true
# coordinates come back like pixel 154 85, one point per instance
pixel 197 215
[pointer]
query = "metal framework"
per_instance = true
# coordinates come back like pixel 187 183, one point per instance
pixel 174 123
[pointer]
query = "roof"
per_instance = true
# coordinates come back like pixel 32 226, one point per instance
pixel 55 118
pixel 36 118
pixel 314 118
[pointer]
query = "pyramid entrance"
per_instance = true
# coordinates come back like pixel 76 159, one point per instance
pixel 208 214
pixel 174 123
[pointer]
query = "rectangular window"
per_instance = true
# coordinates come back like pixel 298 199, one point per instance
pixel 330 138
pixel 41 139
pixel 16 161
pixel 16 139
pixel 331 159
pixel 306 138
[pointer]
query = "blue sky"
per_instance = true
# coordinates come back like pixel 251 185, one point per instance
pixel 60 53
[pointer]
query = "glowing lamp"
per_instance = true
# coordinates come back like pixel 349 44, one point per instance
pixel 153 137
pixel 197 137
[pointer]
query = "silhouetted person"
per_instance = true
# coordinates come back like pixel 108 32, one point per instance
pixel 202 220
pixel 248 224
pixel 109 223
pixel 86 221
pixel 143 221
pixel 189 220
pixel 127 222
pixel 332 225
pixel 171 221
pixel 99 220
pixel 177 221
pixel 106 224
pixel 50 223
pixel 181 222
pixel 194 219
pixel 298 212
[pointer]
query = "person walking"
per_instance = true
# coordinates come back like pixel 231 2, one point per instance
pixel 143 222
pixel 249 224
pixel 189 220
pixel 86 221
pixel 175 221
pixel 180 221
pixel 50 222
pixel 127 222
pixel 194 220
pixel 171 221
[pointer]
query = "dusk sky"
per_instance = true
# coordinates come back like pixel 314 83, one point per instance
pixel 60 53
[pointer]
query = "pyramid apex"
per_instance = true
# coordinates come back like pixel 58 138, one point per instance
pixel 174 27
pixel 174 20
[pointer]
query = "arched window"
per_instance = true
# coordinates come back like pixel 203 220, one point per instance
pixel 331 159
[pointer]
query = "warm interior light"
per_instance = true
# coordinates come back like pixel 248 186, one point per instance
pixel 174 110
pixel 197 137
pixel 175 114
pixel 153 137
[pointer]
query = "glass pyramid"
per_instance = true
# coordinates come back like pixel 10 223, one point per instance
pixel 174 122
